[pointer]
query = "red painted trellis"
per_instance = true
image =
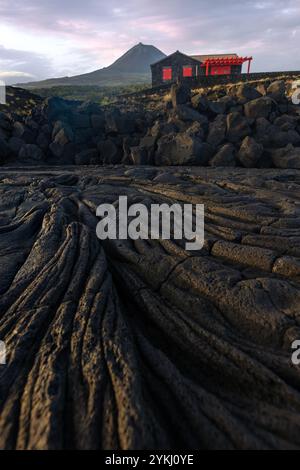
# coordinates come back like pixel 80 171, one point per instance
pixel 226 61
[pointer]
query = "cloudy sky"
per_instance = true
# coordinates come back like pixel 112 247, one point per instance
pixel 53 38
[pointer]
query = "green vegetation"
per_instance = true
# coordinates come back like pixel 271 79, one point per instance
pixel 101 95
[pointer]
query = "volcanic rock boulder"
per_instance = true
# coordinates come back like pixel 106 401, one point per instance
pixel 143 154
pixel 57 109
pixel 98 122
pixel 5 150
pixel 217 130
pixel 226 156
pixel 14 145
pixel 259 108
pixel 265 132
pixel 109 152
pixel 288 157
pixel 80 120
pixel 246 92
pixel 250 153
pixel 5 122
pixel 118 123
pixel 286 122
pixel 262 89
pixel 63 136
pixel 200 102
pixel 43 141
pixel 139 156
pixel 216 107
pixel 30 153
pixel 21 131
pixel 277 91
pixel 180 94
pixel 237 127
pixel 188 114
pixel 182 149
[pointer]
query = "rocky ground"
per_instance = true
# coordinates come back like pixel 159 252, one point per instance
pixel 142 344
pixel 250 125
pixel 19 103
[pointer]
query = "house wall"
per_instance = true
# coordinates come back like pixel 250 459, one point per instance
pixel 236 69
pixel 177 62
pixel 233 70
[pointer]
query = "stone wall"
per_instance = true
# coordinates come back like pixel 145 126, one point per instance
pixel 235 78
pixel 235 125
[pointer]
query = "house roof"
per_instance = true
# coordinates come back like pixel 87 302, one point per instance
pixel 171 55
pixel 199 58
pixel 225 61
pixel 203 58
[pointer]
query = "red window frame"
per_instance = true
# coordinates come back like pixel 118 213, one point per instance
pixel 167 73
pixel 187 71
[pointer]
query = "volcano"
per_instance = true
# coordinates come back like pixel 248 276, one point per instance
pixel 131 68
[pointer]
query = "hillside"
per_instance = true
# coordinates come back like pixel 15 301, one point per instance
pixel 101 95
pixel 20 101
pixel 131 68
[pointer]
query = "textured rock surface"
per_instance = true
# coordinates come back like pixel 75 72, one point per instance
pixel 141 344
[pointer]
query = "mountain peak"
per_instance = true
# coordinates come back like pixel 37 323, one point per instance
pixel 138 59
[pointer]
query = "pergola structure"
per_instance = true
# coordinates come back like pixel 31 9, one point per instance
pixel 226 62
